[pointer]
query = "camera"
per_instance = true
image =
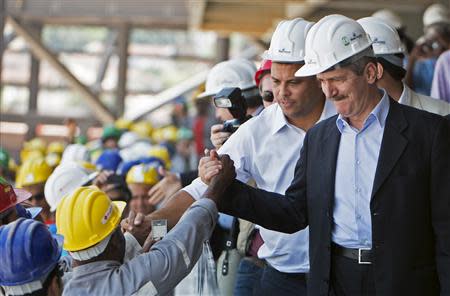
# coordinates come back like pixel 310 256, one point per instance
pixel 232 99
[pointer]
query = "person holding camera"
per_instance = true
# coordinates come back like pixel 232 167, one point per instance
pixel 265 148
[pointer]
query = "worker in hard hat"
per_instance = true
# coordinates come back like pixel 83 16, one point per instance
pixel 395 21
pixel 54 153
pixel 162 153
pixel 263 81
pixel 10 203
pixel 140 179
pixel 389 52
pixel 143 128
pixel 98 246
pixel 32 176
pixel 110 137
pixel 356 183
pixel 4 164
pixel 30 257
pixel 428 48
pixel 109 160
pixel 265 149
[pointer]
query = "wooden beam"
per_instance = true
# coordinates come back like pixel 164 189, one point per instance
pixel 40 51
pixel 122 52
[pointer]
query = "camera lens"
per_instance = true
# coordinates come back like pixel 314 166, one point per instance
pixel 267 96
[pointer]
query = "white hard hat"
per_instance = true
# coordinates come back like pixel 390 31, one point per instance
pixel 288 41
pixel 75 152
pixel 435 13
pixel 231 73
pixel 137 150
pixel 332 40
pixel 385 37
pixel 389 17
pixel 128 139
pixel 63 181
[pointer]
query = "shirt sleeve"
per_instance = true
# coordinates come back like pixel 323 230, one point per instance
pixel 238 147
pixel 171 259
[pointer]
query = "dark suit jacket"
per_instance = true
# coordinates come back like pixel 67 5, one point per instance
pixel 410 204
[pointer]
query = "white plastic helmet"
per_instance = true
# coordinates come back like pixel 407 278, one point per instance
pixel 288 41
pixel 436 13
pixel 389 17
pixel 137 150
pixel 231 73
pixel 385 38
pixel 75 152
pixel 64 180
pixel 332 40
pixel 128 139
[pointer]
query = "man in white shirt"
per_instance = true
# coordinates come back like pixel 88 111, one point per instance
pixel 266 149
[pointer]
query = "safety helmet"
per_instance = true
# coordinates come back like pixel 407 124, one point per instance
pixel 169 133
pixel 288 41
pixel 4 158
pixel 53 159
pixel 123 124
pixel 128 139
pixel 125 166
pixel 389 17
pixel 10 196
pixel 109 160
pixel 32 172
pixel 143 128
pixel 161 153
pixel 231 73
pixel 35 144
pixel 137 150
pixel 81 139
pixel 184 134
pixel 56 147
pixel 158 135
pixel 332 40
pixel 265 67
pixel 86 217
pixel 386 40
pixel 63 181
pixel 143 173
pixel 434 14
pixel 110 131
pixel 26 155
pixel 75 152
pixel 28 253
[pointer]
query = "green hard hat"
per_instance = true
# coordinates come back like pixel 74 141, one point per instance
pixel 110 131
pixel 4 158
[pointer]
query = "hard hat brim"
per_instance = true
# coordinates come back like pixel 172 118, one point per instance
pixel 21 196
pixel 309 70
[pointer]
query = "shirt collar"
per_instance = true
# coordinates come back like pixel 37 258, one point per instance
pixel 258 110
pixel 405 98
pixel 378 114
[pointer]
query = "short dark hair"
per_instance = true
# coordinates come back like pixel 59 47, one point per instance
pixel 396 72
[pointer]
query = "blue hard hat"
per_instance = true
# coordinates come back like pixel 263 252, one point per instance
pixel 109 160
pixel 124 167
pixel 28 252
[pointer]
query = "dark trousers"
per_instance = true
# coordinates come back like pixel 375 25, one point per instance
pixel 247 278
pixel 274 282
pixel 350 278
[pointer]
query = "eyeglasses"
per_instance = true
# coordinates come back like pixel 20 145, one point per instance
pixel 267 96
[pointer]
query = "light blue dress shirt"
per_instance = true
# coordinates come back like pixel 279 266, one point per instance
pixel 355 172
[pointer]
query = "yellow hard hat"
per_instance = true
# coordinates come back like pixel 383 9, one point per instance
pixel 33 171
pixel 142 128
pixel 170 133
pixel 142 173
pixel 86 217
pixel 56 147
pixel 161 153
pixel 26 155
pixel 158 135
pixel 89 166
pixel 35 144
pixel 53 159
pixel 123 123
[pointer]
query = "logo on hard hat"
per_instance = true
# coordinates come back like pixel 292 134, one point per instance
pixel 378 41
pixel 345 41
pixel 284 50
pixel 108 213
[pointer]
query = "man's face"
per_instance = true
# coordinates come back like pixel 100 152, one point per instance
pixel 347 90
pixel 297 96
pixel 265 88
pixel 139 198
pixel 223 114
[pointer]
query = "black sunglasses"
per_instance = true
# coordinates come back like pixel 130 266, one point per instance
pixel 267 96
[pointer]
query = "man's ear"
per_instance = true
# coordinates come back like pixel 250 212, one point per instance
pixel 380 71
pixel 372 73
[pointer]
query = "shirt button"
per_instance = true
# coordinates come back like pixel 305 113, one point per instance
pixel 358 162
pixel 358 190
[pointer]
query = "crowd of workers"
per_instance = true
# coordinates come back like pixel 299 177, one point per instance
pixel 336 152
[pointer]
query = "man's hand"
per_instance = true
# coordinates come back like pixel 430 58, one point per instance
pixel 217 136
pixel 222 180
pixel 164 188
pixel 100 180
pixel 139 226
pixel 209 166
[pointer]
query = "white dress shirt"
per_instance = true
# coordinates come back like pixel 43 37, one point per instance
pixel 266 148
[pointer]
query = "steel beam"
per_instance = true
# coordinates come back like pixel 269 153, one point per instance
pixel 122 52
pixel 110 47
pixel 40 51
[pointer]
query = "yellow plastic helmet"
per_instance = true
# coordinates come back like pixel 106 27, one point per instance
pixel 158 135
pixel 142 174
pixel 35 144
pixel 32 172
pixel 26 155
pixel 142 128
pixel 56 147
pixel 86 217
pixel 53 159
pixel 170 133
pixel 123 124
pixel 88 166
pixel 161 153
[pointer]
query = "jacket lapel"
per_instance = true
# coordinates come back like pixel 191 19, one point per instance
pixel 392 145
